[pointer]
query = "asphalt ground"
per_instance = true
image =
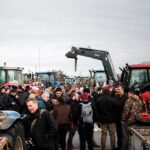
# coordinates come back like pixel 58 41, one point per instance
pixel 97 138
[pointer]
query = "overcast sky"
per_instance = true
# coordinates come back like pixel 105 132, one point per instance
pixel 36 34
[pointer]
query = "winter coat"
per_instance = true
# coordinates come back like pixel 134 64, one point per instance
pixel 43 130
pixel 106 107
pixel 73 110
pixel 10 102
pixel 61 113
pixel 22 97
pixel 44 105
pixel 132 106
pixel 3 101
pixel 120 100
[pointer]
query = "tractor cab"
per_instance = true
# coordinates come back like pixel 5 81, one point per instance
pixel 11 76
pixel 46 78
pixel 137 76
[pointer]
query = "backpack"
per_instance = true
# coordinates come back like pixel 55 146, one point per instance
pixel 87 113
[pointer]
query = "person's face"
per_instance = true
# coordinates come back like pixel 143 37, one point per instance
pixel 13 93
pixel 58 93
pixel 119 90
pixel 32 107
pixel 19 90
pixel 2 90
pixel 99 91
pixel 7 91
pixel 130 94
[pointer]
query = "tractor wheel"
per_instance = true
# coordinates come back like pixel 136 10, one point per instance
pixel 16 137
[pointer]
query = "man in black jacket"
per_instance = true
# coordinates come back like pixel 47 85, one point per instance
pixel 120 98
pixel 106 107
pixel 43 127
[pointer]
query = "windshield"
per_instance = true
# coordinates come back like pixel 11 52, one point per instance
pixel 43 77
pixel 15 76
pixel 2 77
pixel 69 80
pixel 139 76
pixel 52 78
pixel 46 77
pixel 100 76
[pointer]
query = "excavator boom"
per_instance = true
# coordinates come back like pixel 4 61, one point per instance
pixel 95 54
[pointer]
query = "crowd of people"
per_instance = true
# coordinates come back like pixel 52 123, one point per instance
pixel 56 112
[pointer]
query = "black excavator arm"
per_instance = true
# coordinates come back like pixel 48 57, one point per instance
pixel 95 54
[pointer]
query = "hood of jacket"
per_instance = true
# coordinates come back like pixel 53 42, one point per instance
pixel 135 97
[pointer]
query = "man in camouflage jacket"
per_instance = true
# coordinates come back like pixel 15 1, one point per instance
pixel 132 106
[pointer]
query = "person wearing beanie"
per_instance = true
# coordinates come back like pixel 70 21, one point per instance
pixel 85 127
pixel 84 97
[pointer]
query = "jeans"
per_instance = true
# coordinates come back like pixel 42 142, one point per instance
pixel 125 136
pixel 119 133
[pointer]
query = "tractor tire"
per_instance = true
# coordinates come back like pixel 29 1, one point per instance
pixel 16 137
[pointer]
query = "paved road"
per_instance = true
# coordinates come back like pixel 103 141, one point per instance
pixel 97 136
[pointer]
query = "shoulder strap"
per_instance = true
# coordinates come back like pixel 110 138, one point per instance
pixel 41 111
pixel 35 120
pixel 33 124
pixel 86 104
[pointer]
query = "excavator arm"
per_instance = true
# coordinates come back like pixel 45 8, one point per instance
pixel 95 54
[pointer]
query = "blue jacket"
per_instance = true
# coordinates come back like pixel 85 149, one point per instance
pixel 41 103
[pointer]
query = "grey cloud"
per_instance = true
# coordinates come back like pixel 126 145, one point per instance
pixel 121 27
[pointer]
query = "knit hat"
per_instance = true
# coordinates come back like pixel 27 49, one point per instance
pixel 84 96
